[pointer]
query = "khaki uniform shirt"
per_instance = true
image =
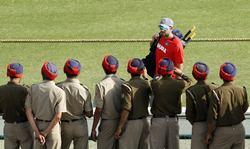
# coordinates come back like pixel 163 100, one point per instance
pixel 197 101
pixel 231 106
pixel 46 99
pixel 167 95
pixel 12 99
pixel 135 94
pixel 108 96
pixel 78 99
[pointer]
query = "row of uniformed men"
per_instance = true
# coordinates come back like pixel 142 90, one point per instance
pixel 122 108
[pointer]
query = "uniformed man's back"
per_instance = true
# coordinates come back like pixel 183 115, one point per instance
pixel 78 99
pixel 199 101
pixel 12 100
pixel 233 104
pixel 140 90
pixel 45 93
pixel 167 95
pixel 111 88
pixel 133 129
pixel 227 106
pixel 108 105
pixel 166 105
pixel 44 106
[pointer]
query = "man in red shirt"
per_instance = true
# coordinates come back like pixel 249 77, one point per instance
pixel 167 45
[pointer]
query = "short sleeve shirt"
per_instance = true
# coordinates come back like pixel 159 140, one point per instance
pixel 78 99
pixel 197 101
pixel 12 99
pixel 230 106
pixel 169 48
pixel 46 99
pixel 108 96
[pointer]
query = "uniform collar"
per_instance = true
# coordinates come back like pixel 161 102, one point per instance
pixel 74 80
pixel 135 77
pixel 201 82
pixel 12 83
pixel 110 75
pixel 227 84
pixel 48 81
pixel 167 77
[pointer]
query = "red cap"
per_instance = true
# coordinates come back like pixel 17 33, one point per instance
pixel 200 71
pixel 72 67
pixel 227 71
pixel 110 64
pixel 165 67
pixel 135 66
pixel 15 70
pixel 49 70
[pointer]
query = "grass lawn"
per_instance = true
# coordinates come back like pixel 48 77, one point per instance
pixel 90 55
pixel 59 19
pixel 116 19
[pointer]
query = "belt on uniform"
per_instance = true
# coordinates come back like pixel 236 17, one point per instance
pixel 73 120
pixel 228 125
pixel 43 120
pixel 163 116
pixel 17 121
pixel 137 118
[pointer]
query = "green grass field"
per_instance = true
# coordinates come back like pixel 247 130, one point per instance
pixel 115 19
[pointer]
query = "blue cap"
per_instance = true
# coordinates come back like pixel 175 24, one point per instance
pixel 166 66
pixel 228 71
pixel 15 70
pixel 72 67
pixel 177 33
pixel 49 70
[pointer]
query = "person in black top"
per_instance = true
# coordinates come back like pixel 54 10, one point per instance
pixel 17 131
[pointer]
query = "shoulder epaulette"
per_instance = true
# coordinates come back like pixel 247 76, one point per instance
pixel 84 86
pixel 123 79
pixel 58 83
pixel 215 84
pixel 191 95
pixel 216 97
pixel 127 86
pixel 245 90
pixel 26 86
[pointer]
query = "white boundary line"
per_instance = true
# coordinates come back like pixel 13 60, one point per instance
pixel 112 40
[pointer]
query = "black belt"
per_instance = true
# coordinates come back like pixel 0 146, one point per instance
pixel 17 121
pixel 43 120
pixel 163 116
pixel 137 118
pixel 68 121
pixel 228 125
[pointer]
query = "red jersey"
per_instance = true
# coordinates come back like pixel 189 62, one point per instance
pixel 169 48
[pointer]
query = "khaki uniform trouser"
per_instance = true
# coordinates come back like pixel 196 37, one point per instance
pixel 135 135
pixel 18 134
pixel 76 131
pixel 106 138
pixel 199 131
pixel 231 137
pixel 53 139
pixel 164 133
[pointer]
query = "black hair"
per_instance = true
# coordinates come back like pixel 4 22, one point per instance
pixel 45 77
pixel 135 75
pixel 70 76
pixel 108 72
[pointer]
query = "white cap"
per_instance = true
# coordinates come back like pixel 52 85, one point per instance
pixel 167 21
